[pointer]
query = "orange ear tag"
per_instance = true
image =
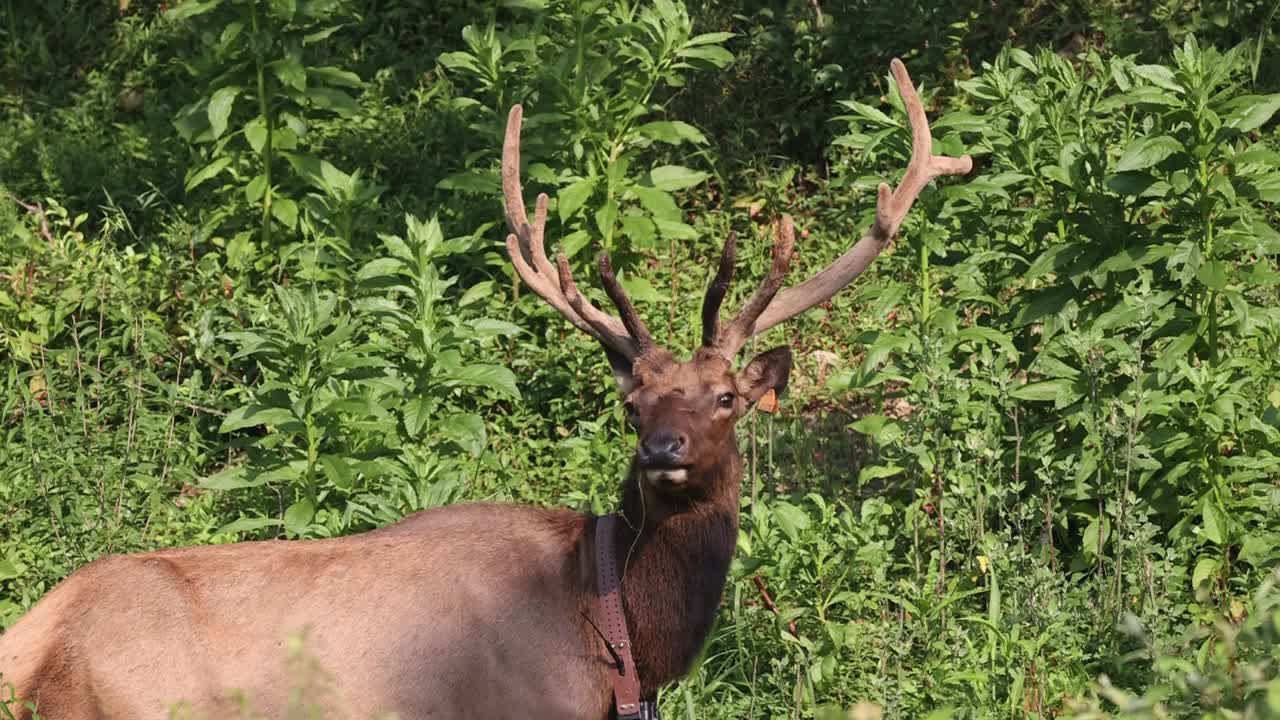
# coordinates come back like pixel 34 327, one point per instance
pixel 768 403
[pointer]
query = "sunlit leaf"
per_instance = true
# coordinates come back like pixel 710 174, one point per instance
pixel 220 106
pixel 1146 152
pixel 676 177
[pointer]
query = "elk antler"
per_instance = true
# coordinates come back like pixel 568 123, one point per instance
pixel 628 336
pixel 768 307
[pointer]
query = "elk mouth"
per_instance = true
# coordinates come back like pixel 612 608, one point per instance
pixel 672 477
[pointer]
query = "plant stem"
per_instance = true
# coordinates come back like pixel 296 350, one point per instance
pixel 13 30
pixel 264 108
pixel 1128 471
pixel 924 283
pixel 1210 308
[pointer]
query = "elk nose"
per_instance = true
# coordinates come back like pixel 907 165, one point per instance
pixel 663 448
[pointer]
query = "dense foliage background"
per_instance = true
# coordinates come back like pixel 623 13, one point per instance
pixel 1029 466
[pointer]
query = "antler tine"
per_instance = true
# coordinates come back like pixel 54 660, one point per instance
pixel 742 327
pixel 716 291
pixel 630 318
pixel 891 207
pixel 548 282
pixel 924 166
pixel 579 303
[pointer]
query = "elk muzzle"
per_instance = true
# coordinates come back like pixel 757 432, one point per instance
pixel 663 455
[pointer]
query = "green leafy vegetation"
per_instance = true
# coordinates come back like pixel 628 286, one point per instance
pixel 252 285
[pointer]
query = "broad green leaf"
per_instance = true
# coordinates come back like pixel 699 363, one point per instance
pixel 417 411
pixel 460 61
pixel 192 121
pixel 467 430
pixel 867 112
pixel 1050 366
pixel 711 38
pixel 572 197
pixel 298 516
pixel 475 293
pixel 713 54
pixel 494 377
pixel 995 607
pixel 1133 183
pixel 881 429
pixel 990 335
pixel 332 99
pixel 961 121
pixel 335 76
pixel 397 247
pixel 233 478
pixel 1096 535
pixel 1267 188
pixel 1043 390
pixel 337 470
pixel 380 268
pixel 675 230
pixel 1135 257
pixel 605 218
pixel 658 202
pixel 489 327
pixel 1159 75
pixel 220 106
pixel 573 242
pixel 640 230
pixel 284 9
pixel 1146 152
pixel 1048 301
pixel 1256 549
pixel 255 131
pixel 285 211
pixel 190 8
pixel 1145 95
pixel 1205 569
pixel 256 187
pixel 321 34
pixel 1257 155
pixel 10 569
pixel 253 415
pixel 1213 274
pixel 207 172
pixel 290 72
pixel 246 524
pixel 672 132
pixel 676 177
pixel 1217 526
pixel 791 519
pixel 875 472
pixel 1250 112
pixel 468 181
pixel 641 290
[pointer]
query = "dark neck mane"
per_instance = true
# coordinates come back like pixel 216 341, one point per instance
pixel 675 568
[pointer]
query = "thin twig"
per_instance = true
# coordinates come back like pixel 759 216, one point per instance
pixel 1128 468
pixel 768 602
pixel 942 533
pixel 38 211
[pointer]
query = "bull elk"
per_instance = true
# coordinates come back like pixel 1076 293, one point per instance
pixel 474 610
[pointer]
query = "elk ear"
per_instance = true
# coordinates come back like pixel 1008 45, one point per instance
pixel 622 372
pixel 767 371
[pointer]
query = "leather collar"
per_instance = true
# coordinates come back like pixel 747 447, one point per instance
pixel 613 624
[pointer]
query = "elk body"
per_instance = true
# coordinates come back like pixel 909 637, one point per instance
pixel 474 610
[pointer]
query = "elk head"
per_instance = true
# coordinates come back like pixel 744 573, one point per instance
pixel 685 412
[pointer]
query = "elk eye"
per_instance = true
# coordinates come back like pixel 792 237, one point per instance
pixel 725 400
